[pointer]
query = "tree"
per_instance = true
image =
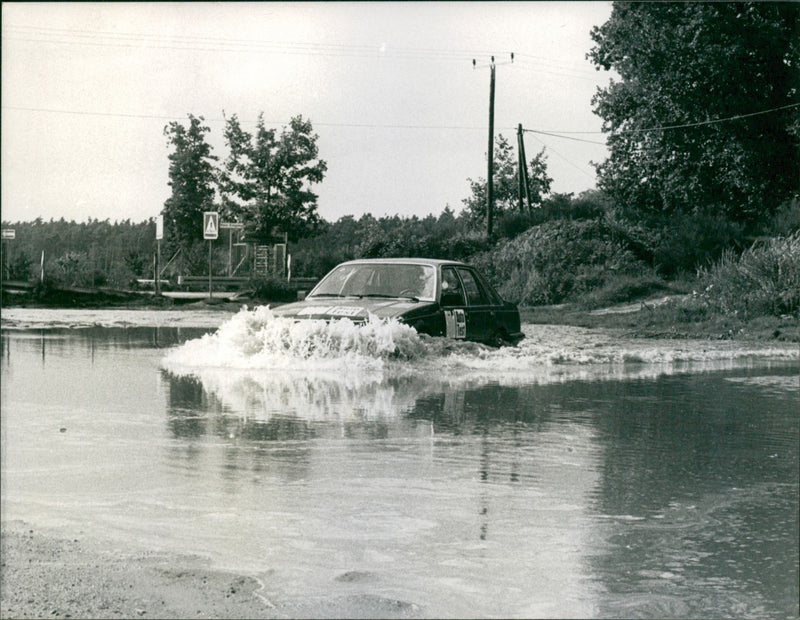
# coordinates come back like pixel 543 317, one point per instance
pixel 703 122
pixel 192 179
pixel 266 179
pixel 506 184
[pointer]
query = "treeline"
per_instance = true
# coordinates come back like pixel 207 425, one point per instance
pixel 571 249
pixel 448 235
pixel 105 253
pixel 91 253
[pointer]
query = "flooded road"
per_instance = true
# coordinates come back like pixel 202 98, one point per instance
pixel 578 475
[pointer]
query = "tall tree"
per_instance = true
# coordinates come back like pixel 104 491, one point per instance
pixel 506 183
pixel 192 179
pixel 267 178
pixel 703 121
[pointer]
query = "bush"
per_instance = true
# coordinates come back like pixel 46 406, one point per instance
pixel 315 262
pixel 558 261
pixel 763 280
pixel 693 241
pixel 786 221
pixel 272 289
pixel 20 268
pixel 74 269
pixel 45 288
pixel 121 276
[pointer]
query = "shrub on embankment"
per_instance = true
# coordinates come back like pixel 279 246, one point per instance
pixel 762 280
pixel 562 261
pixel 591 264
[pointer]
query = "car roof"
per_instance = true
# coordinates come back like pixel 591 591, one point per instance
pixel 407 261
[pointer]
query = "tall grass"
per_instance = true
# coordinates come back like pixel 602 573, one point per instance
pixel 763 280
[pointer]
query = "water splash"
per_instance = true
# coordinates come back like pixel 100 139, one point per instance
pixel 258 339
pixel 258 364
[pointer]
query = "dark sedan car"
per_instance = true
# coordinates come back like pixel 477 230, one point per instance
pixel 435 297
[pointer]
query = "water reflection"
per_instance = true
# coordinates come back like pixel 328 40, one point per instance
pixel 458 484
pixel 679 502
pixel 85 342
pixel 699 488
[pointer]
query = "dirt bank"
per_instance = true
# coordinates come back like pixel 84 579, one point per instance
pixel 46 576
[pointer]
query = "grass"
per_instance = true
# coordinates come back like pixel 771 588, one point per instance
pixel 753 295
pixel 681 317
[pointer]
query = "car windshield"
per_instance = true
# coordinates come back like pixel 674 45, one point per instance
pixel 379 280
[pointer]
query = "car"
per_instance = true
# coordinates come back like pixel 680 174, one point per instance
pixel 436 297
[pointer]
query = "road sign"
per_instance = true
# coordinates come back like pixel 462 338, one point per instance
pixel 231 225
pixel 9 233
pixel 159 227
pixel 210 225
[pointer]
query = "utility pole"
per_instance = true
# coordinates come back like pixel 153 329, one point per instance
pixel 490 174
pixel 490 153
pixel 524 181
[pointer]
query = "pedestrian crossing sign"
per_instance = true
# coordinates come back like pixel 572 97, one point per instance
pixel 210 225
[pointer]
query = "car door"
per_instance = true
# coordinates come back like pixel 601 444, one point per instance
pixel 454 304
pixel 479 307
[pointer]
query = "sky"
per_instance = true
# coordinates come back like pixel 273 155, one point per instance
pixel 390 89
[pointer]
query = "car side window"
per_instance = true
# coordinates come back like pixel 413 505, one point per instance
pixel 475 293
pixel 494 298
pixel 452 291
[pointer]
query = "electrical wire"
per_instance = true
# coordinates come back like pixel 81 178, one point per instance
pixel 557 135
pixel 564 158
pixel 711 122
pixel 560 134
pixel 99 38
pixel 247 122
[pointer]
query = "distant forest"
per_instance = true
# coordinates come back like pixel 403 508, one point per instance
pixel 105 253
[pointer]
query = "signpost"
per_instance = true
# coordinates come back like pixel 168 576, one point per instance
pixel 210 232
pixel 159 237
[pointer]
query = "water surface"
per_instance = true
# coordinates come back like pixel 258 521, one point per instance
pixel 578 475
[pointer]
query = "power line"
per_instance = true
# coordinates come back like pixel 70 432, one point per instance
pixel 560 134
pixel 254 44
pixel 266 122
pixel 556 70
pixel 556 135
pixel 565 159
pixel 566 134
pixel 83 113
pixel 216 44
pixel 711 122
pixel 100 38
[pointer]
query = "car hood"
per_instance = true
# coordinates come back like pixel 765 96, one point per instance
pixel 353 308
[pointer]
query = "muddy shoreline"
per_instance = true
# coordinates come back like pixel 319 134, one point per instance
pixel 45 575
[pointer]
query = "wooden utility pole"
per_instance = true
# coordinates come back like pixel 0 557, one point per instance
pixel 524 181
pixel 490 173
pixel 490 153
pixel 520 164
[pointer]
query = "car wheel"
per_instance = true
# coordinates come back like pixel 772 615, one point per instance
pixel 499 339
